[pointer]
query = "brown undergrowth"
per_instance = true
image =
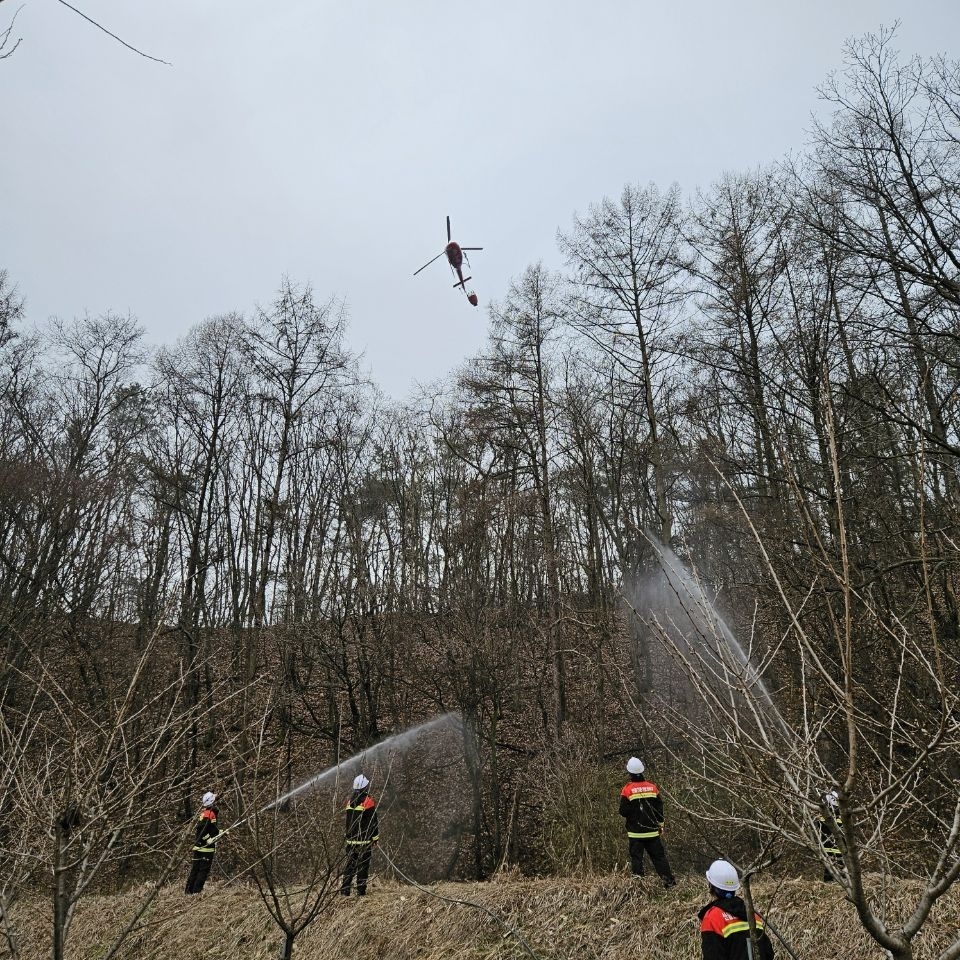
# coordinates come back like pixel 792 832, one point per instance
pixel 592 918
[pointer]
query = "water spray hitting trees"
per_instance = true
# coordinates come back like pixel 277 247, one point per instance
pixel 291 844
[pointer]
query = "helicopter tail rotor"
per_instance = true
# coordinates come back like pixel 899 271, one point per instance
pixel 448 229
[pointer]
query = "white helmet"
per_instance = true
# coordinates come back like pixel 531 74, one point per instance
pixel 723 876
pixel 832 798
pixel 634 765
pixel 209 798
pixel 360 782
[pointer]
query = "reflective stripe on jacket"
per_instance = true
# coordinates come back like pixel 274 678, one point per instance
pixel 642 807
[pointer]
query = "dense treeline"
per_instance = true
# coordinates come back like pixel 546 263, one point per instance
pixel 762 376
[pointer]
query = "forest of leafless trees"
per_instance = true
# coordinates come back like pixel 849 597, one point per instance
pixel 762 377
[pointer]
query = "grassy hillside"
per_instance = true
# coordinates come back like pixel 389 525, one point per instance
pixel 596 917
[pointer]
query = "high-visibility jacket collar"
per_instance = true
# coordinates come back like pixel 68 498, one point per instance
pixel 640 790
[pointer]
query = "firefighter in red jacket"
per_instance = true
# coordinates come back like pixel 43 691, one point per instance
pixel 362 833
pixel 724 930
pixel 641 806
pixel 207 834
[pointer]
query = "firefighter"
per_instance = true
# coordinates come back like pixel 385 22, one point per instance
pixel 642 808
pixel 724 931
pixel 830 837
pixel 362 834
pixel 207 834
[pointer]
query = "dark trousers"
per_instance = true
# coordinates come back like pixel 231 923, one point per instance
pixel 654 847
pixel 199 872
pixel 358 864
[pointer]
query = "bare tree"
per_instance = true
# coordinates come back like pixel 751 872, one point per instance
pixel 890 160
pixel 884 182
pixel 511 406
pixel 291 849
pixel 627 259
pixel 200 385
pixel 11 306
pixel 298 361
pixel 76 417
pixel 740 257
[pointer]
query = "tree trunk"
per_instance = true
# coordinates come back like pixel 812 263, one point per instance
pixel 60 903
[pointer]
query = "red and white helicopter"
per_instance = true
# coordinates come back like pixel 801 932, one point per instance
pixel 456 258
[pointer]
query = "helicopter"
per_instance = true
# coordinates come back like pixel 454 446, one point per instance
pixel 456 258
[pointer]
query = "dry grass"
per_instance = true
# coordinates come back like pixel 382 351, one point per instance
pixel 596 917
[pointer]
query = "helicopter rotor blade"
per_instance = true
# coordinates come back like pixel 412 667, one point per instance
pixel 427 264
pixel 471 248
pixel 448 228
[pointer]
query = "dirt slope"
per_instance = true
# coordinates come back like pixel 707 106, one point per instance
pixel 597 917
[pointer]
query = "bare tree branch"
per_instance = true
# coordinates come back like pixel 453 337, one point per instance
pixel 5 37
pixel 100 26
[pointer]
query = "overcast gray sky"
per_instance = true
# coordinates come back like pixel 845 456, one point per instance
pixel 328 141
